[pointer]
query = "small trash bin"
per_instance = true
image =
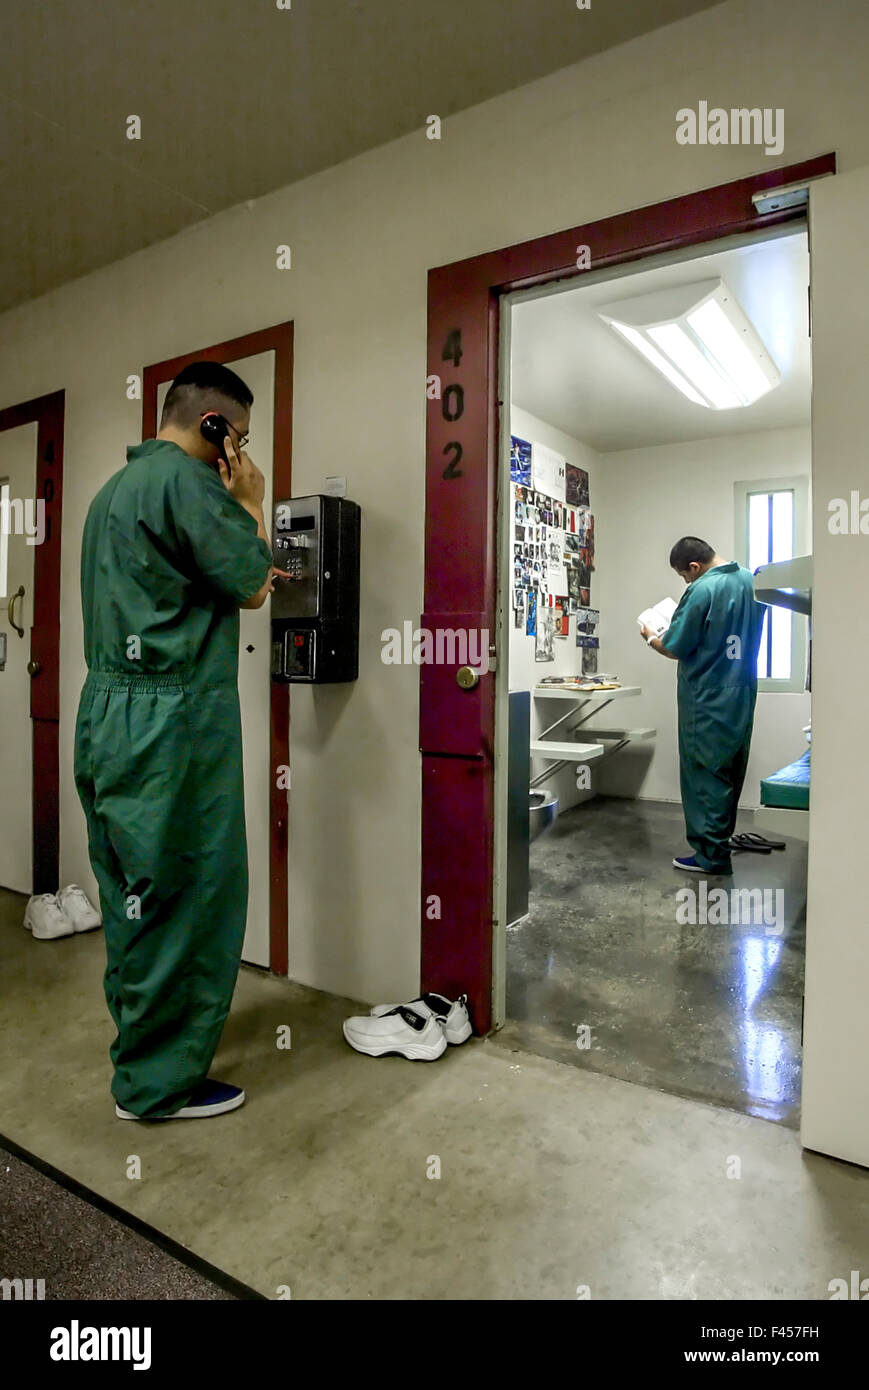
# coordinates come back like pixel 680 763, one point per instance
pixel 542 810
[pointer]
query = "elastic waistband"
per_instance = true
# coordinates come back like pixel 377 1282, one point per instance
pixel 119 680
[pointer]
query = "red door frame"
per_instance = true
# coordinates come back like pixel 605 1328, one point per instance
pixel 48 414
pixel 457 726
pixel 277 339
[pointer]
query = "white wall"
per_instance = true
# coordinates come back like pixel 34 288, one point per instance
pixel 525 671
pixel 648 499
pixel 835 1103
pixel 587 142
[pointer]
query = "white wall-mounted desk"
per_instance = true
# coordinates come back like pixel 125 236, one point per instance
pixel 567 752
pixel 583 704
pixel 598 697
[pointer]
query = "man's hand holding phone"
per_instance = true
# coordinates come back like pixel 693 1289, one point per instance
pixel 242 478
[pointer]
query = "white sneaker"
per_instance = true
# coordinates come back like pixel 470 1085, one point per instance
pixel 411 1030
pixel 78 907
pixel 453 1015
pixel 44 917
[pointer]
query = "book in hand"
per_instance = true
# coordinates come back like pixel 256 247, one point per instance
pixel 658 618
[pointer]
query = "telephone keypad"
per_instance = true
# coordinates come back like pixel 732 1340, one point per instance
pixel 290 558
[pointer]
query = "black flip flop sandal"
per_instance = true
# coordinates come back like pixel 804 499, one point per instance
pixel 762 841
pixel 741 842
pixel 751 840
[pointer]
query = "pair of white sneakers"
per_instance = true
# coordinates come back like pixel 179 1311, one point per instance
pixel 420 1030
pixel 50 915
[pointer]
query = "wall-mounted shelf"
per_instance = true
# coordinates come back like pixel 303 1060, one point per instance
pixel 600 697
pixel 585 704
pixel 624 735
pixel 567 752
pixel 786 583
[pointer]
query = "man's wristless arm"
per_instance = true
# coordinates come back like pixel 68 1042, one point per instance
pixel 255 510
pixel 657 646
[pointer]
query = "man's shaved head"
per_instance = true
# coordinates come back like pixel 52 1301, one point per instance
pixel 201 387
pixel 690 550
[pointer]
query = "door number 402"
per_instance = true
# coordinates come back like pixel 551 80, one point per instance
pixel 453 401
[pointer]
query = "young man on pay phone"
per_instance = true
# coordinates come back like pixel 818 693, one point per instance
pixel 174 545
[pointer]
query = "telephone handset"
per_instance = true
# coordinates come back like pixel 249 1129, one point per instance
pixel 214 428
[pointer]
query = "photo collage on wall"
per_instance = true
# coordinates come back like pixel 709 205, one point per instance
pixel 553 552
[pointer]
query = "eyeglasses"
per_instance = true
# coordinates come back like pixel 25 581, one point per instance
pixel 242 438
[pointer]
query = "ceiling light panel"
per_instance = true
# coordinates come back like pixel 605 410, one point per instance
pixel 698 337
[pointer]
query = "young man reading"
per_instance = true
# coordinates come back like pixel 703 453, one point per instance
pixel 714 635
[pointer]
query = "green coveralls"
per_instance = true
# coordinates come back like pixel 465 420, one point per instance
pixel 715 633
pixel 168 556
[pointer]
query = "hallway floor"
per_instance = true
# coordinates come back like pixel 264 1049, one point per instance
pixel 77 1245
pixel 712 1012
pixel 551 1176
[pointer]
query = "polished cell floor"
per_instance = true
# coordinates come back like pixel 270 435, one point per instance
pixel 607 975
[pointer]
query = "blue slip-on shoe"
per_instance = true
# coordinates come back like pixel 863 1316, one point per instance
pixel 690 866
pixel 208 1098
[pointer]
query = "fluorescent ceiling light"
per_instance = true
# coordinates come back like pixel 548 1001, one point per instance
pixel 698 337
pixel 673 339
pixel 729 348
pixel 667 368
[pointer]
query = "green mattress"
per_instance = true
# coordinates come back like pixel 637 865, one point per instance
pixel 788 788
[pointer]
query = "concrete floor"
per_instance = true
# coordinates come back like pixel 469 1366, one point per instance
pixel 551 1176
pixel 711 1012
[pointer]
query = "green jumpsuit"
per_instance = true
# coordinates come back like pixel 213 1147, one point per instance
pixel 168 556
pixel 715 633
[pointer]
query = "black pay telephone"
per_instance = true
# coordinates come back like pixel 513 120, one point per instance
pixel 315 613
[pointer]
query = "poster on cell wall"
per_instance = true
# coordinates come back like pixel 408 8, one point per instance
pixel 544 645
pixel 575 486
pixel 520 461
pixel 558 577
pixel 547 471
pixel 531 614
pixel 519 603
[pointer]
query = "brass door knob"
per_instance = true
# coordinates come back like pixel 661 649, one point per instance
pixel 467 677
pixel 33 668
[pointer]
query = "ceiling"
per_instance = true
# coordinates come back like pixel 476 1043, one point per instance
pixel 237 99
pixel 574 371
